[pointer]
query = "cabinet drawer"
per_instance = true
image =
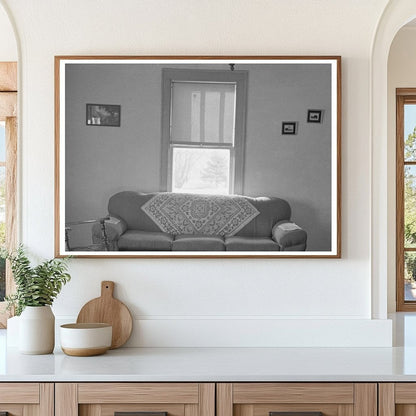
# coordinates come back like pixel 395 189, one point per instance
pixel 146 399
pixel 296 399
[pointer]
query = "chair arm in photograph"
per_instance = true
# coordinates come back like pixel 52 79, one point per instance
pixel 113 227
pixel 289 236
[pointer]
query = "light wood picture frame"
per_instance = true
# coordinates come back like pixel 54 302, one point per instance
pixel 199 167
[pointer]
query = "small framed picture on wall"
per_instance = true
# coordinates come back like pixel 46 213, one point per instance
pixel 314 116
pixel 289 127
pixel 103 115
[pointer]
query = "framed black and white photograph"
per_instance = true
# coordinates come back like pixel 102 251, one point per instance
pixel 103 115
pixel 314 116
pixel 289 127
pixel 200 166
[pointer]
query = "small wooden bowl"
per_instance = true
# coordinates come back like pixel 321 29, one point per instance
pixel 84 340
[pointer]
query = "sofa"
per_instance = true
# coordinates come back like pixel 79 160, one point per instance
pixel 164 221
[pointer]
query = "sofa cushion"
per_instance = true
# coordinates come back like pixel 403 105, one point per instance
pixel 127 206
pixel 134 240
pixel 238 243
pixel 271 211
pixel 194 242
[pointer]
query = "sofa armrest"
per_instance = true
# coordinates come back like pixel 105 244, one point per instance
pixel 114 228
pixel 289 236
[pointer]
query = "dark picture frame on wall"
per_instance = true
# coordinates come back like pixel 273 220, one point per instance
pixel 314 116
pixel 199 167
pixel 289 127
pixel 106 115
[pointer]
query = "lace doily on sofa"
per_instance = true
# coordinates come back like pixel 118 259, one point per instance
pixel 199 214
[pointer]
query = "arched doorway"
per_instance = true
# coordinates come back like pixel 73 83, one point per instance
pixel 396 15
pixel 8 149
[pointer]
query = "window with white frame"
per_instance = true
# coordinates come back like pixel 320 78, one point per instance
pixel 203 130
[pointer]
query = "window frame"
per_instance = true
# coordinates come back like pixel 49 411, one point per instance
pixel 403 96
pixel 240 78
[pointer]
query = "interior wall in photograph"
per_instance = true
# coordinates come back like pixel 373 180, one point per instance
pixel 101 161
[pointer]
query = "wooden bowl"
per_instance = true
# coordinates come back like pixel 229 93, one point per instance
pixel 84 340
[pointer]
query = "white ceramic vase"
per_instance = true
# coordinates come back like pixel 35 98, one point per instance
pixel 37 330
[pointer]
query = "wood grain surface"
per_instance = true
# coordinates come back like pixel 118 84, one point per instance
pixel 8 76
pixel 252 393
pixel 109 310
pixel 171 393
pixel 8 105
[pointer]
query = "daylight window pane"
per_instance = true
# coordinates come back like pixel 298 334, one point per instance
pixel 410 206
pixel 410 132
pixel 201 171
pixel 409 275
pixel 203 112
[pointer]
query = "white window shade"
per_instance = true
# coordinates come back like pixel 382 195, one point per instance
pixel 203 112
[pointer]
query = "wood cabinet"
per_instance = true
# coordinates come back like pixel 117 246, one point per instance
pixel 27 399
pixel 262 399
pixel 208 399
pixel 397 399
pixel 106 399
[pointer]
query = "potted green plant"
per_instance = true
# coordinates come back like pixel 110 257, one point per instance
pixel 36 289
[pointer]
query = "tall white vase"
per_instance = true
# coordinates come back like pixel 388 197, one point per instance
pixel 37 330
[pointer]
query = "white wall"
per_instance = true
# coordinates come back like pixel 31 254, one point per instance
pixel 201 299
pixel 401 74
pixel 8 47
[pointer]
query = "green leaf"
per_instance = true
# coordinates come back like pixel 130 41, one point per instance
pixel 35 286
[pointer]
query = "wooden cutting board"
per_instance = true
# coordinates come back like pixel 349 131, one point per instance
pixel 108 310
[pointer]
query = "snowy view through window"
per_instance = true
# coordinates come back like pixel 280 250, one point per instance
pixel 201 171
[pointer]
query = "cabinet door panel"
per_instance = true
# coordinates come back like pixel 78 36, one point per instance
pixel 27 399
pixel 397 399
pixel 105 399
pixel 331 399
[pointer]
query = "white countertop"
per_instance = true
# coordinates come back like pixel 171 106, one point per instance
pixel 215 364
pixel 221 364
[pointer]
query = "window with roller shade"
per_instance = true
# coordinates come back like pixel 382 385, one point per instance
pixel 203 131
